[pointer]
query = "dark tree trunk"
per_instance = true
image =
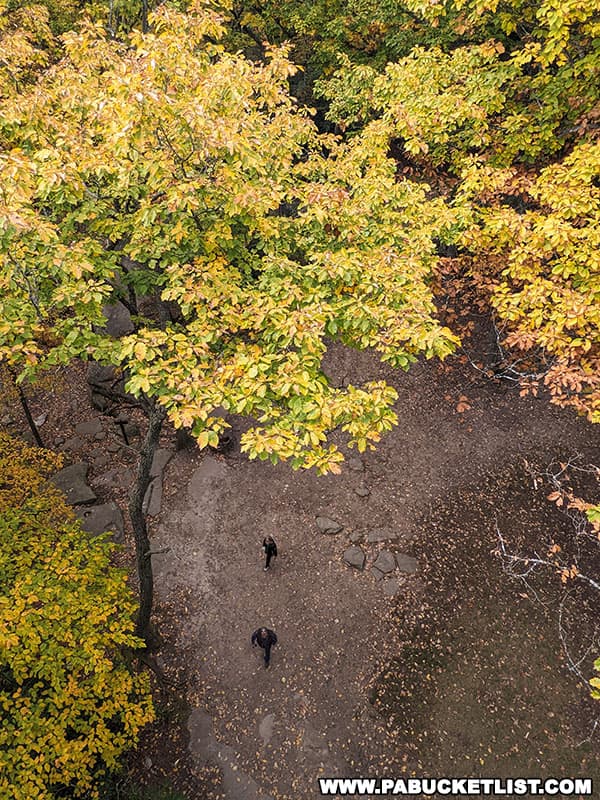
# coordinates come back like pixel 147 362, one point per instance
pixel 145 16
pixel 25 406
pixel 156 416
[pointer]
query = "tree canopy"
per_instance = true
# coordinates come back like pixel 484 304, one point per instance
pixel 506 110
pixel 171 168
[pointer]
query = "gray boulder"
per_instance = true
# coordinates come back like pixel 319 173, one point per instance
pixel 100 459
pixel 118 320
pixel 89 428
pixel 73 443
pixel 328 526
pixel 162 456
pixel 102 519
pixel 102 377
pixel 117 478
pixel 385 562
pixel 354 557
pixel 99 375
pixel 153 498
pixel 73 482
pixel 105 379
pixel 99 402
pixel 407 563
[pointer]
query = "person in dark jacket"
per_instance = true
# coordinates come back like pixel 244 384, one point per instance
pixel 265 638
pixel 269 549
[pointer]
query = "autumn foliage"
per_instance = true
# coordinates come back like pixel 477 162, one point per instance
pixel 70 702
pixel 174 169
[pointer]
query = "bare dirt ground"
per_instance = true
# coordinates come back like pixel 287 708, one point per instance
pixel 460 673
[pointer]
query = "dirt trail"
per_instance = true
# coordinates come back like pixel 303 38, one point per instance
pixel 272 732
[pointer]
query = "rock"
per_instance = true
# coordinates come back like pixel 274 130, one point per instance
pixel 128 430
pixel 73 443
pixel 118 320
pixel 99 375
pixel 113 447
pixel 117 478
pixel 73 482
pixel 391 587
pixel 101 519
pixel 265 728
pixel 39 421
pixel 356 537
pixel 381 535
pixel 356 464
pixel 329 526
pixel 362 491
pixel 100 402
pixel 89 428
pixel 162 456
pixel 153 498
pixel 354 557
pixel 385 562
pixel 376 573
pixel 406 563
pixel 99 437
pixel 104 378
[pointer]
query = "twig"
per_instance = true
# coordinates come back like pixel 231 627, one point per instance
pixel 150 553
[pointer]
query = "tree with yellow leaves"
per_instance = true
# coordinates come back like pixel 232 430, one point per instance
pixel 506 112
pixel 71 703
pixel 173 170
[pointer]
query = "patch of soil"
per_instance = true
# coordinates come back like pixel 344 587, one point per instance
pixel 458 674
pixel 480 686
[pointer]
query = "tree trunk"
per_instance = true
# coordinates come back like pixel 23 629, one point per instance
pixel 32 425
pixel 156 417
pixel 145 16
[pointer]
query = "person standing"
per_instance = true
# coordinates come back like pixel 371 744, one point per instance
pixel 269 549
pixel 265 638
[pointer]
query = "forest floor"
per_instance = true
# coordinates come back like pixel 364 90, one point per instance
pixel 459 673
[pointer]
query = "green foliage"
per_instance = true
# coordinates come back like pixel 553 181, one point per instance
pixel 70 703
pixel 367 31
pixel 439 105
